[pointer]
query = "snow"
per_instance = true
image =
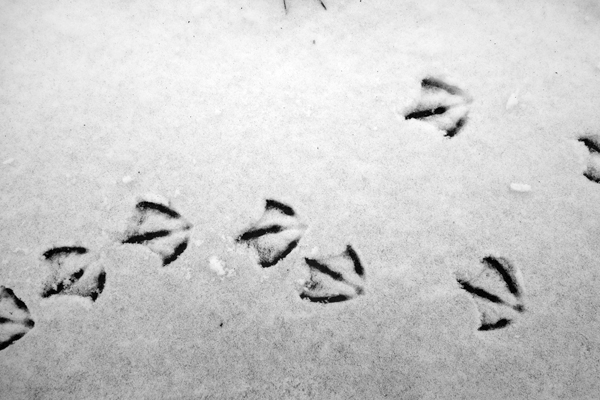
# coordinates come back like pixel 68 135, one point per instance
pixel 127 179
pixel 216 265
pixel 245 102
pixel 513 100
pixel 520 187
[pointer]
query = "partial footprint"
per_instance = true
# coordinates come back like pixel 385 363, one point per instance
pixel 334 279
pixel 275 234
pixel 285 7
pixel 156 225
pixel 441 104
pixel 592 142
pixel 74 271
pixel 15 319
pixel 497 291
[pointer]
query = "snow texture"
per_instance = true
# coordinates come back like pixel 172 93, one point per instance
pixel 216 106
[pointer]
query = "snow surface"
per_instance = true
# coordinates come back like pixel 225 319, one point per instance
pixel 219 105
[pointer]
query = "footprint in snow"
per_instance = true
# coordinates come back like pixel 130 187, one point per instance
pixel 497 291
pixel 441 104
pixel 160 228
pixel 15 319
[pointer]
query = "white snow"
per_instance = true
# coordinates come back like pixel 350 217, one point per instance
pixel 245 102
pixel 513 100
pixel 520 187
pixel 215 264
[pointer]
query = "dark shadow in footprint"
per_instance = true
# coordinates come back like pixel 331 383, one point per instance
pixel 592 142
pixel 73 272
pixel 498 292
pixel 160 228
pixel 499 323
pixel 334 279
pixel 441 104
pixel 15 319
pixel 275 234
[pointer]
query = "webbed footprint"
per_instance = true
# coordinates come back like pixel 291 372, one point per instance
pixel 592 142
pixel 335 278
pixel 74 271
pixel 275 234
pixel 497 291
pixel 163 230
pixel 441 104
pixel 15 319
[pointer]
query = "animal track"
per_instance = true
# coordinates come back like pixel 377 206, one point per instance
pixel 497 291
pixel 441 104
pixel 592 142
pixel 335 278
pixel 15 319
pixel 74 272
pixel 275 234
pixel 286 8
pixel 159 227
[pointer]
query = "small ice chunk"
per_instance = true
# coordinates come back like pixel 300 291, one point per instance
pixel 127 179
pixel 216 265
pixel 8 161
pixel 513 100
pixel 520 187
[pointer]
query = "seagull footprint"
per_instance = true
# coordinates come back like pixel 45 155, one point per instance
pixel 163 230
pixel 497 291
pixel 335 278
pixel 275 234
pixel 74 271
pixel 592 142
pixel 441 104
pixel 15 319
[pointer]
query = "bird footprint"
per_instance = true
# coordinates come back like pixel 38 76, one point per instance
pixel 441 104
pixel 15 319
pixel 74 271
pixel 163 230
pixel 592 142
pixel 275 234
pixel 335 278
pixel 497 291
